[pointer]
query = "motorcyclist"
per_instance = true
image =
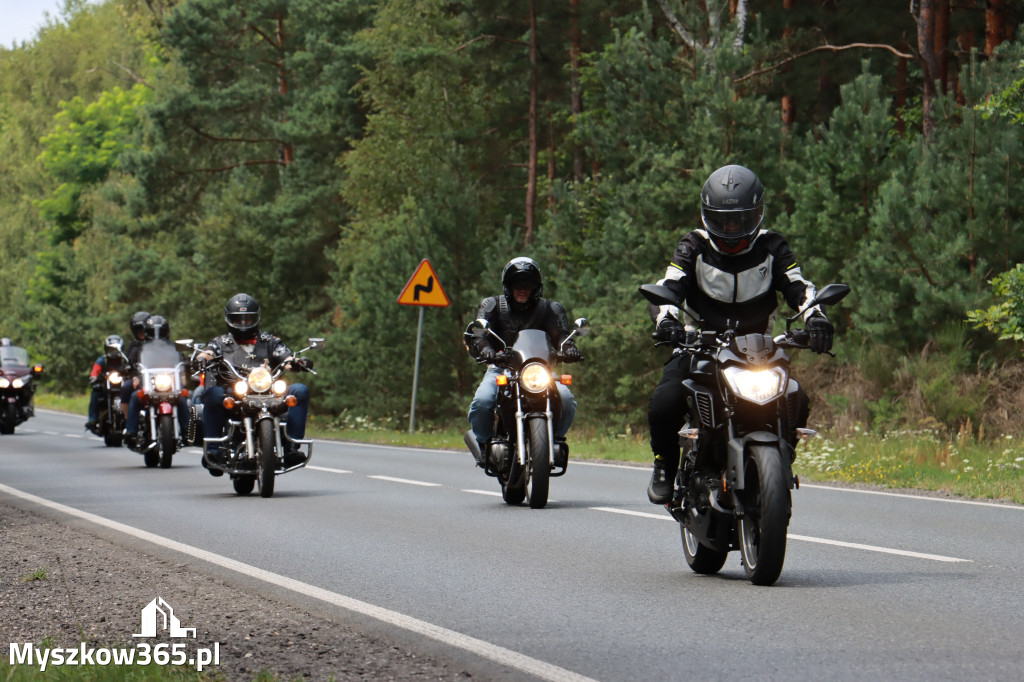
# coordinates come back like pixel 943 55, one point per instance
pixel 156 327
pixel 112 360
pixel 729 273
pixel 242 345
pixel 137 326
pixel 520 307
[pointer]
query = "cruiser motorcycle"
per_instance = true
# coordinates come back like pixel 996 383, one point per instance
pixel 732 489
pixel 110 424
pixel 523 454
pixel 255 447
pixel 161 390
pixel 17 387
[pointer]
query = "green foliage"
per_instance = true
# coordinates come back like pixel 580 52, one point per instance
pixel 1006 316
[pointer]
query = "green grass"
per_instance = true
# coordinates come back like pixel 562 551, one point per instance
pixel 961 465
pixel 38 574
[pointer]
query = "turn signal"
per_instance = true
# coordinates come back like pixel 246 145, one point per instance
pixel 184 393
pixel 565 380
pixel 229 403
pixel 291 401
pixel 501 380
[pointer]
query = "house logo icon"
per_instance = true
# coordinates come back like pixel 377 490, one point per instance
pixel 158 615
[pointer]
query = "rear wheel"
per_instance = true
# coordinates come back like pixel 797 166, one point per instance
pixel 538 463
pixel 166 438
pixel 700 558
pixel 267 458
pixel 766 503
pixel 244 484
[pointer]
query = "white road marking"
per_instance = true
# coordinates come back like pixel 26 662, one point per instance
pixel 406 480
pixel 332 471
pixel 913 497
pixel 479 647
pixel 483 492
pixel 804 538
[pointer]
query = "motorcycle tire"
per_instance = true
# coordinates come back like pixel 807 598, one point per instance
pixel 699 558
pixel 244 484
pixel 767 506
pixel 168 441
pixel 113 440
pixel 10 418
pixel 539 471
pixel 267 458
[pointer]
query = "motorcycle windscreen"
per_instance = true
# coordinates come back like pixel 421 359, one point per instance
pixel 532 344
pixel 159 353
pixel 13 357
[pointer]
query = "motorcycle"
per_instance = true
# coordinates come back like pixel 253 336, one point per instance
pixel 17 387
pixel 523 455
pixel 732 488
pixel 256 447
pixel 110 422
pixel 161 389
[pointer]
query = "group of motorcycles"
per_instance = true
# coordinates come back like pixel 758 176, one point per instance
pixel 255 441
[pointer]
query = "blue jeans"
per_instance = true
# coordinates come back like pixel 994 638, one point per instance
pixel 481 410
pixel 131 424
pixel 215 416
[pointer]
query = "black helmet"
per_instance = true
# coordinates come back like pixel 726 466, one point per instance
pixel 522 273
pixel 138 324
pixel 112 346
pixel 732 207
pixel 157 327
pixel 242 315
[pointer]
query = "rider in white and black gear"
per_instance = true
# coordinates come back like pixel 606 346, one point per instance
pixel 729 273
pixel 520 307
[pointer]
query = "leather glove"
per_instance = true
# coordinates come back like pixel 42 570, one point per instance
pixel 821 331
pixel 486 354
pixel 669 329
pixel 571 353
pixel 303 364
pixel 94 381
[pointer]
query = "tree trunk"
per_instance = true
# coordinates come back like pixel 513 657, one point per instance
pixel 925 19
pixel 575 47
pixel 995 25
pixel 788 103
pixel 941 45
pixel 286 152
pixel 531 173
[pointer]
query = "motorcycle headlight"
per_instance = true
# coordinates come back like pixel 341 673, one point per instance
pixel 279 387
pixel 756 385
pixel 260 380
pixel 241 388
pixel 114 378
pixel 163 383
pixel 19 382
pixel 535 377
pixel 4 383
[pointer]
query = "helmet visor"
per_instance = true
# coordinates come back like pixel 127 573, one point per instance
pixel 733 224
pixel 246 320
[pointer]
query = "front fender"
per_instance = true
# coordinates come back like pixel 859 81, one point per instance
pixel 736 450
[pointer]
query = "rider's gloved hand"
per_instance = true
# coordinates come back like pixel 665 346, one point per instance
pixel 303 364
pixel 94 381
pixel 486 354
pixel 821 331
pixel 571 353
pixel 670 329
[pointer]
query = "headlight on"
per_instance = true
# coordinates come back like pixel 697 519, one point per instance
pixel 163 383
pixel 756 385
pixel 4 383
pixel 535 377
pixel 114 378
pixel 241 388
pixel 19 382
pixel 260 380
pixel 279 387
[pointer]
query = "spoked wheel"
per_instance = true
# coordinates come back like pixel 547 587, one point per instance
pixel 244 484
pixel 539 471
pixel 762 530
pixel 700 558
pixel 168 443
pixel 267 458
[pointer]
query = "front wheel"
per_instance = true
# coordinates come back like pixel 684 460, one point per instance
pixel 9 419
pixel 267 458
pixel 244 484
pixel 168 442
pixel 766 502
pixel 700 558
pixel 539 464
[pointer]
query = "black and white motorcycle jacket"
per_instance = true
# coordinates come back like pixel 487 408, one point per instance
pixel 723 291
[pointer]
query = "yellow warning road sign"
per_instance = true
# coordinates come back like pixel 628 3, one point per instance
pixel 424 288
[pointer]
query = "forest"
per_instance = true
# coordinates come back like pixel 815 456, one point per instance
pixel 163 155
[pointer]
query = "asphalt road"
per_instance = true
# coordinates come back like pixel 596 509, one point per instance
pixel 875 586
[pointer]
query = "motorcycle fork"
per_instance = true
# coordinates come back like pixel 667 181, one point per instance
pixel 521 430
pixel 250 447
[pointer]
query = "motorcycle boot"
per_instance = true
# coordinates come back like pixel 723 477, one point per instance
pixel 131 440
pixel 293 455
pixel 660 489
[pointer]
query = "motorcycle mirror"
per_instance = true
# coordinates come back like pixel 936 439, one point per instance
pixel 658 294
pixel 315 341
pixel 187 343
pixel 833 293
pixel 582 326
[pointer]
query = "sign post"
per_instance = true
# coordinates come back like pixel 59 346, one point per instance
pixel 424 290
